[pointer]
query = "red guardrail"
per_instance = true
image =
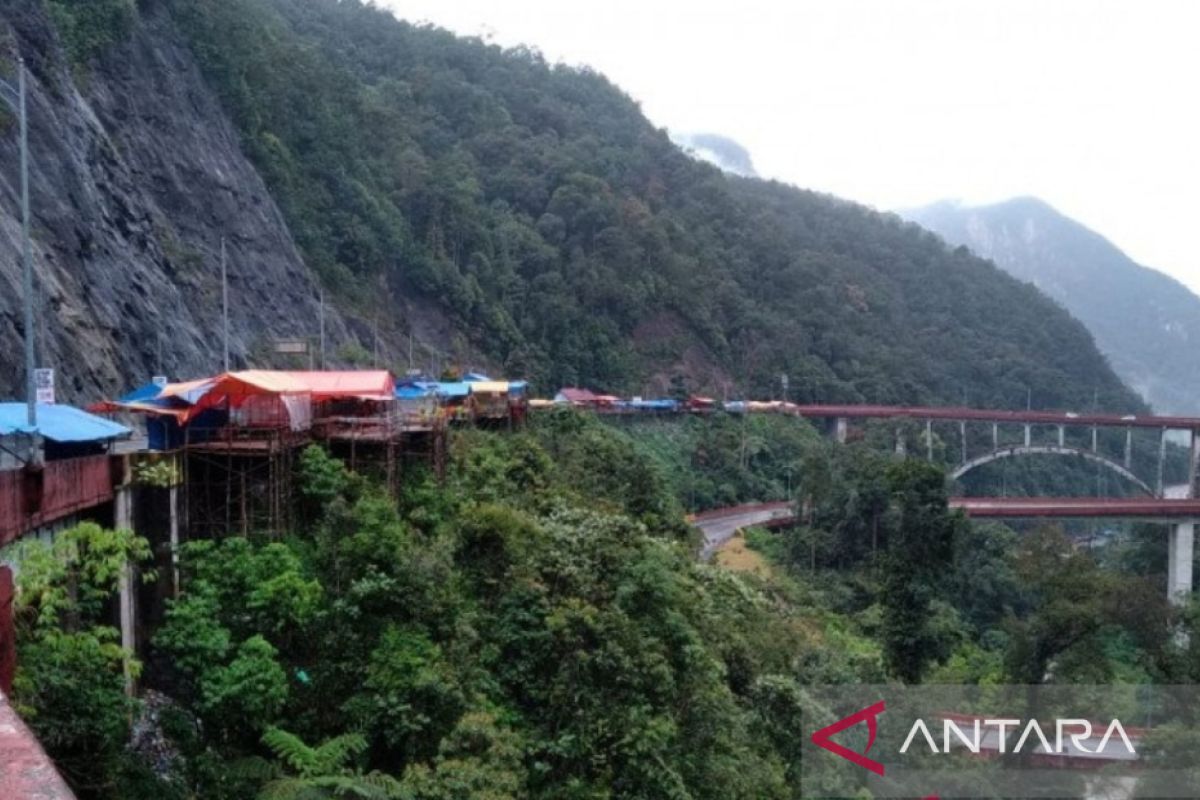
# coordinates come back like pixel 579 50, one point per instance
pixel 32 498
pixel 733 511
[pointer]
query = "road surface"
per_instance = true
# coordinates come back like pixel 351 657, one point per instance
pixel 720 525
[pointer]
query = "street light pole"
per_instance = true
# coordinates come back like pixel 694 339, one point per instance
pixel 16 99
pixel 224 309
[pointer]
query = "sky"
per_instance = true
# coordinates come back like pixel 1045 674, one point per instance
pixel 1091 105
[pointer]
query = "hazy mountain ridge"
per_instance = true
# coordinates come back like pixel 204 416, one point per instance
pixel 718 150
pixel 1147 323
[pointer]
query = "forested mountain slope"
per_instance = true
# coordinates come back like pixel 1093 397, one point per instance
pixel 500 209
pixel 572 241
pixel 1147 323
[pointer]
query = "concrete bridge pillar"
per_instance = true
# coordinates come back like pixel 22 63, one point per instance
pixel 901 445
pixel 1062 435
pixel 1162 457
pixel 962 436
pixel 995 436
pixel 841 428
pixel 929 439
pixel 1179 562
pixel 174 533
pixel 1193 462
pixel 1028 435
pixel 1128 448
pixel 1095 446
pixel 123 508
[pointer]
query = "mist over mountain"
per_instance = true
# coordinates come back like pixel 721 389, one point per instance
pixel 721 151
pixel 1147 323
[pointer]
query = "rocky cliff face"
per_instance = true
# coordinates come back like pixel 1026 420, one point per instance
pixel 136 176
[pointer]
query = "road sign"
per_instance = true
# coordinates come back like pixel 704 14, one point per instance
pixel 291 346
pixel 43 381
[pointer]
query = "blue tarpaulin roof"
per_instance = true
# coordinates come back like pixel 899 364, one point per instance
pixel 410 391
pixel 454 389
pixel 60 423
pixel 142 394
pixel 664 404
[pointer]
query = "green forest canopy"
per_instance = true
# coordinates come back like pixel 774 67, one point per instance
pixel 568 238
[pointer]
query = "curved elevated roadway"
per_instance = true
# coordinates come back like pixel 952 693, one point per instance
pixel 720 525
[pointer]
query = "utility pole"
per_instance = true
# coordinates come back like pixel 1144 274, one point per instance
pixel 16 99
pixel 224 307
pixel 322 329
pixel 375 353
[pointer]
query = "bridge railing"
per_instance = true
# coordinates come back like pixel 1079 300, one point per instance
pixel 30 498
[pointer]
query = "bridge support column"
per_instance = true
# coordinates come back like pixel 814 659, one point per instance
pixel 1062 435
pixel 995 436
pixel 1193 463
pixel 962 435
pixel 1128 448
pixel 1028 435
pixel 174 509
pixel 1162 457
pixel 1095 443
pixel 123 508
pixel 1179 562
pixel 929 440
pixel 841 427
pixel 901 445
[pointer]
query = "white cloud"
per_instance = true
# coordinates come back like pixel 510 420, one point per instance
pixel 1089 104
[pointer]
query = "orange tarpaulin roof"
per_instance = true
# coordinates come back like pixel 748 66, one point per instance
pixel 236 386
pixel 375 383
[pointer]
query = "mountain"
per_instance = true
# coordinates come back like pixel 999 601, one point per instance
pixel 1147 323
pixel 720 151
pixel 481 204
pixel 136 175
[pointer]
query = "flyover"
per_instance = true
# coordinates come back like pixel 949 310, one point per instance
pixel 720 525
pixel 1027 420
pixel 965 413
pixel 1181 512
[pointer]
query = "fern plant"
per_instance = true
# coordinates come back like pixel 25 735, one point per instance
pixel 301 772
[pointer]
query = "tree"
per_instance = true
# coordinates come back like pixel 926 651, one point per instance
pixel 918 561
pixel 301 772
pixel 1073 603
pixel 247 694
pixel 70 685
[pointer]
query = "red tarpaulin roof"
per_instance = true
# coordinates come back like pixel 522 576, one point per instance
pixel 235 386
pixel 368 384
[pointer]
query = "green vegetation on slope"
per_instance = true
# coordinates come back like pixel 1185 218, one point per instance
pixel 571 241
pixel 88 28
pixel 723 460
pixel 1146 322
pixel 538 627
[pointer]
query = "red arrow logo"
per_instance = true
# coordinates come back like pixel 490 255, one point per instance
pixel 822 737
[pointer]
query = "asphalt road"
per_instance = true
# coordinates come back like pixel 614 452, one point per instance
pixel 719 526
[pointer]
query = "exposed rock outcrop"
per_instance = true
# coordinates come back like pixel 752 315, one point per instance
pixel 137 175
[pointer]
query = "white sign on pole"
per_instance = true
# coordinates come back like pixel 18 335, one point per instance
pixel 292 346
pixel 43 381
